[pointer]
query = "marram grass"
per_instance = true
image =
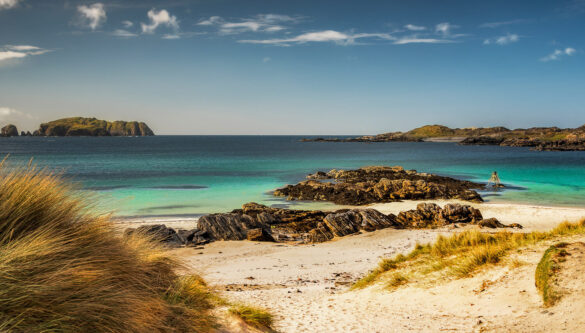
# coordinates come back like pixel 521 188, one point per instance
pixel 64 269
pixel 459 255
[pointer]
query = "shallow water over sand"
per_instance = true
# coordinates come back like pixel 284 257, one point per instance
pixel 190 175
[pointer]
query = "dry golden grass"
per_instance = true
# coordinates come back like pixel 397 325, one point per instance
pixel 63 269
pixel 459 255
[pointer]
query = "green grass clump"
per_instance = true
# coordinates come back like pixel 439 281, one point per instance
pixel 545 273
pixel 254 316
pixel 461 254
pixel 65 269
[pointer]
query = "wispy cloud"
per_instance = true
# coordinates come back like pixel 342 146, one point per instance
pixel 413 27
pixel 493 25
pixel 11 52
pixel 12 115
pixel 7 4
pixel 159 18
pixel 128 24
pixel 92 16
pixel 321 36
pixel 415 40
pixel 557 54
pixel 502 40
pixel 258 23
pixel 123 33
pixel 266 59
pixel 445 28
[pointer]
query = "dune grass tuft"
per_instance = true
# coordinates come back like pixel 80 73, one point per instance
pixel 461 254
pixel 64 269
pixel 254 316
pixel 545 273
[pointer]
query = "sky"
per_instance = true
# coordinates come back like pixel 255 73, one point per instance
pixel 294 67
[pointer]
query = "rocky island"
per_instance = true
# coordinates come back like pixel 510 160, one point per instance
pixel 537 138
pixel 375 184
pixel 79 126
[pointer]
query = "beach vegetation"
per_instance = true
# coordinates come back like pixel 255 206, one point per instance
pixel 546 271
pixel 66 269
pixel 254 316
pixel 460 255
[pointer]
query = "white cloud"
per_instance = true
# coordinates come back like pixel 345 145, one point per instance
pixel 93 16
pixel 321 36
pixel 258 23
pixel 211 21
pixel 415 40
pixel 171 36
pixel 123 33
pixel 6 55
pixel 557 54
pixel 12 115
pixel 7 4
pixel 493 25
pixel 158 18
pixel 128 24
pixel 503 40
pixel 444 28
pixel 9 52
pixel 266 59
pixel 22 47
pixel 413 27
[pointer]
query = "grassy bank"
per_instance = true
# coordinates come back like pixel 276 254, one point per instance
pixel 64 269
pixel 458 255
pixel 545 273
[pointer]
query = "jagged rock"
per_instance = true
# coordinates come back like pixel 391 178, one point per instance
pixel 319 175
pixel 193 237
pixel 381 184
pixel 430 215
pixel 158 232
pixel 9 130
pixel 352 221
pixel 259 235
pixel 230 226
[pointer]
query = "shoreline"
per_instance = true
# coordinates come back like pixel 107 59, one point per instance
pixel 487 208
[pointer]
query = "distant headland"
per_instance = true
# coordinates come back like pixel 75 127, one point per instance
pixel 537 138
pixel 79 126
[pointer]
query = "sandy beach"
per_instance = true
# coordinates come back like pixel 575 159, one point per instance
pixel 307 286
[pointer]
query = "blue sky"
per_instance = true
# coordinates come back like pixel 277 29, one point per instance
pixel 294 67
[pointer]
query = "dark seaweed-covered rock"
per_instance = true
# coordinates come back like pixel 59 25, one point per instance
pixel 381 184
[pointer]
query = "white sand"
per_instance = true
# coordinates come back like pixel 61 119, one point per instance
pixel 306 286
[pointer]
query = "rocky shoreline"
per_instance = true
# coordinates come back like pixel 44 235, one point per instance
pixel 536 138
pixel 367 185
pixel 255 222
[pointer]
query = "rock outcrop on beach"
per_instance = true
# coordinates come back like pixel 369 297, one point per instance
pixel 379 184
pixel 78 126
pixel 9 130
pixel 257 222
pixel 536 138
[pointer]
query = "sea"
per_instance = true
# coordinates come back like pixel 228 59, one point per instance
pixel 166 176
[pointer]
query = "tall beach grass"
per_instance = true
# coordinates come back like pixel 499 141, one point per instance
pixel 64 269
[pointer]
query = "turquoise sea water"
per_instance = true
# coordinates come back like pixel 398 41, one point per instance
pixel 191 175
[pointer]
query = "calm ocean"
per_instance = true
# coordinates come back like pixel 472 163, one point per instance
pixel 190 175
